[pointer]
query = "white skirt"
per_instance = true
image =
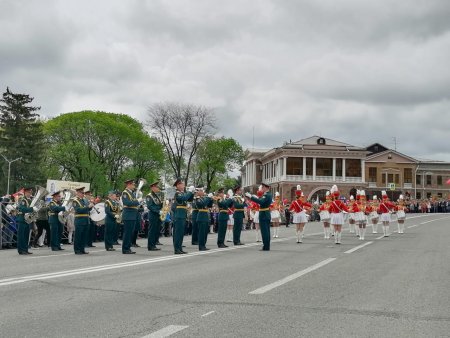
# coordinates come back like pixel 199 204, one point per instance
pixel 256 217
pixel 358 216
pixel 401 214
pixel 299 217
pixel 274 214
pixel 351 216
pixel 385 217
pixel 325 216
pixel 374 215
pixel 337 219
pixel 230 220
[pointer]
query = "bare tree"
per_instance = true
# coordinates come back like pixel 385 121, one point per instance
pixel 180 128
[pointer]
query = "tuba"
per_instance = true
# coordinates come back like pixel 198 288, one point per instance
pixel 37 202
pixel 165 209
pixel 67 202
pixel 142 182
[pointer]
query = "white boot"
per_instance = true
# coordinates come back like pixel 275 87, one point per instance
pixel 41 239
pixel 339 236
pixel 375 228
pixel 387 231
pixel 384 230
pixel 324 233
pixel 257 235
pixel 358 231
pixel 363 233
pixel 69 237
pixel 299 236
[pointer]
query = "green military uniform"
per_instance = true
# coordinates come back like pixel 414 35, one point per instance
pixel 203 204
pixel 81 208
pixel 239 204
pixel 154 205
pixel 180 216
pixel 111 210
pixel 223 205
pixel 129 218
pixel 23 228
pixel 56 227
pixel 195 234
pixel 264 217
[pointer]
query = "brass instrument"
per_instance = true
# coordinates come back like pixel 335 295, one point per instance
pixel 165 209
pixel 37 202
pixel 67 202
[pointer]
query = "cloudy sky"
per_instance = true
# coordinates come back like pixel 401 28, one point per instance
pixel 357 71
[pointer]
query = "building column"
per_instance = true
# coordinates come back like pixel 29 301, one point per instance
pixel 363 170
pixel 304 168
pixel 284 166
pixel 343 169
pixel 314 168
pixel 334 169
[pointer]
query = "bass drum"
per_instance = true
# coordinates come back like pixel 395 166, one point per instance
pixel 98 213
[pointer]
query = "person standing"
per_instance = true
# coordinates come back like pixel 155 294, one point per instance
pixel 386 208
pixel 154 205
pixel 112 215
pixel 401 214
pixel 223 203
pixel 275 214
pixel 374 217
pixel 194 216
pixel 299 207
pixel 180 214
pixel 337 209
pixel 82 208
pixel 239 205
pixel 325 215
pixel 203 204
pixel 56 226
pixel 23 228
pixel 264 214
pixel 129 215
pixel 91 232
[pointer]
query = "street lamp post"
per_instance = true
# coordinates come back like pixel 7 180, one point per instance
pixel 9 169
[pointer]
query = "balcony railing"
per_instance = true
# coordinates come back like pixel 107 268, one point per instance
pixel 372 184
pixel 309 178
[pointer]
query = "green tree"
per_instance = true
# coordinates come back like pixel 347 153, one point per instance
pixel 100 148
pixel 21 136
pixel 218 156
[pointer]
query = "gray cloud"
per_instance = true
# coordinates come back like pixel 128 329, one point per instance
pixel 360 72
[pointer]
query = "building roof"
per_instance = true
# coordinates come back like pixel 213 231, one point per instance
pixel 381 154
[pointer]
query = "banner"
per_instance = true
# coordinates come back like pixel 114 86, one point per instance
pixel 54 185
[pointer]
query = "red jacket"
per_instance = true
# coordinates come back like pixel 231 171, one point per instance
pixel 298 206
pixel 337 207
pixel 386 206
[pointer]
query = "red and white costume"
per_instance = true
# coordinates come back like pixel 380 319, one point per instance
pixel 299 217
pixel 337 209
pixel 325 215
pixel 386 208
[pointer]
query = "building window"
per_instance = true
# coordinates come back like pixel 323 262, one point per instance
pixel 309 166
pixel 407 175
pixel 324 166
pixel 321 140
pixel 339 167
pixel 294 166
pixel 439 195
pixel 397 178
pixel 428 179
pixel 419 195
pixel 428 194
pixel 439 180
pixel 353 168
pixel 390 178
pixel 383 179
pixel 418 179
pixel 372 174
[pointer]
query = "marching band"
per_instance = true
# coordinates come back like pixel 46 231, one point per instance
pixel 263 210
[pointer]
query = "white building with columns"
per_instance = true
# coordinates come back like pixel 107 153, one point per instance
pixel 316 163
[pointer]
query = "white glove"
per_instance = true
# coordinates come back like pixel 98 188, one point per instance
pixel 65 208
pixel 91 205
pixel 35 209
pixel 210 195
pixel 248 195
pixel 191 188
pixel 116 216
pixel 160 212
pixel 140 199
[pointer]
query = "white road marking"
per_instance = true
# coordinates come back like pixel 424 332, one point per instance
pixel 380 237
pixel 167 331
pixel 287 279
pixel 208 313
pixel 357 247
pixel 62 254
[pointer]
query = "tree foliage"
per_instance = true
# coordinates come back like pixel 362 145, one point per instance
pixel 102 149
pixel 217 157
pixel 21 136
pixel 180 128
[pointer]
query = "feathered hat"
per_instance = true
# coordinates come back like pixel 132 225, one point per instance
pixel 384 195
pixel 362 194
pixel 374 198
pixel 334 191
pixel 327 195
pixel 358 194
pixel 298 192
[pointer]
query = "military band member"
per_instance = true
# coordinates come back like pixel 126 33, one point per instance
pixel 239 205
pixel 82 208
pixel 91 232
pixel 180 214
pixel 112 215
pixel 129 215
pixel 203 203
pixel 118 224
pixel 56 226
pixel 223 203
pixel 23 228
pixel 264 214
pixel 194 215
pixel 154 205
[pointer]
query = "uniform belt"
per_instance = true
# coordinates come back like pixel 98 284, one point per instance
pixel 223 210
pixel 196 209
pixel 239 209
pixel 181 207
pixel 51 214
pixel 130 207
pixel 82 215
pixel 264 209
pixel 203 210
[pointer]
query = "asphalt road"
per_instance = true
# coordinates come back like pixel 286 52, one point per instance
pixel 381 287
